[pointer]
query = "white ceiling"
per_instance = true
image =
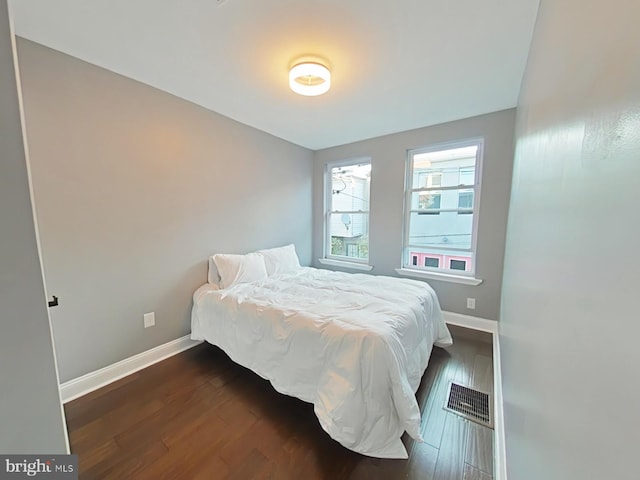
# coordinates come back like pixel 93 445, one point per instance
pixel 396 65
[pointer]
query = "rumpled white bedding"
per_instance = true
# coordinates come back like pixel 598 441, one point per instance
pixel 353 345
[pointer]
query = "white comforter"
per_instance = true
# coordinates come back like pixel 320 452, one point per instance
pixel 354 345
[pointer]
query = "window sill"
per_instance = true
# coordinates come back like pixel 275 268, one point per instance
pixel 343 264
pixel 444 277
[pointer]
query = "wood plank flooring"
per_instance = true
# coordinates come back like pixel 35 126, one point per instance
pixel 198 415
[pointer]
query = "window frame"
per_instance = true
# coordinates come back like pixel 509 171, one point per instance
pixel 406 263
pixel 328 257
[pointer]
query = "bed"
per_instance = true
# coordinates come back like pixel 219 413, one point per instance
pixel 353 345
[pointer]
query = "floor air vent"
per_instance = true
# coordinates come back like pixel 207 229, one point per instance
pixel 470 404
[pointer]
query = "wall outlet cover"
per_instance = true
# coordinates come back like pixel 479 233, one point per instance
pixel 149 319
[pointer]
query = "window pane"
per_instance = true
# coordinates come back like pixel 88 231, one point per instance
pixel 350 187
pixel 446 168
pixel 445 230
pixel 349 233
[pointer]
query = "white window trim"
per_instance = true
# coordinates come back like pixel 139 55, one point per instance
pixel 338 260
pixel 433 272
pixel 444 277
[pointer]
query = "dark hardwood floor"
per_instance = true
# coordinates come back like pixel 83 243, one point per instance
pixel 198 415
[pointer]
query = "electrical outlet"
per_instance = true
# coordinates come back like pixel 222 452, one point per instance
pixel 149 319
pixel 471 303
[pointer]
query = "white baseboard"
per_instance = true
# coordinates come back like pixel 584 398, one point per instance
pixel 474 323
pixel 491 326
pixel 500 453
pixel 93 380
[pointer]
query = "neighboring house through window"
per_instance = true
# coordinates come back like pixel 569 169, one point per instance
pixel 347 187
pixel 441 208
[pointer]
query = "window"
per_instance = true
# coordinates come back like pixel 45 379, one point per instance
pixel 465 201
pixel 457 264
pixel 429 203
pixel 347 211
pixel 431 262
pixel 442 188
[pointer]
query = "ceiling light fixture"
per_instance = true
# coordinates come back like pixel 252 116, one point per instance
pixel 310 78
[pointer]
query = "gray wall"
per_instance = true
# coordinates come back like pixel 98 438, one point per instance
pixel 134 189
pixel 569 324
pixel 31 419
pixel 388 157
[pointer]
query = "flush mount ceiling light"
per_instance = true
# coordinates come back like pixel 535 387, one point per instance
pixel 309 78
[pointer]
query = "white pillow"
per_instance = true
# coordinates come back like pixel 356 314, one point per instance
pixel 280 259
pixel 239 268
pixel 213 276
